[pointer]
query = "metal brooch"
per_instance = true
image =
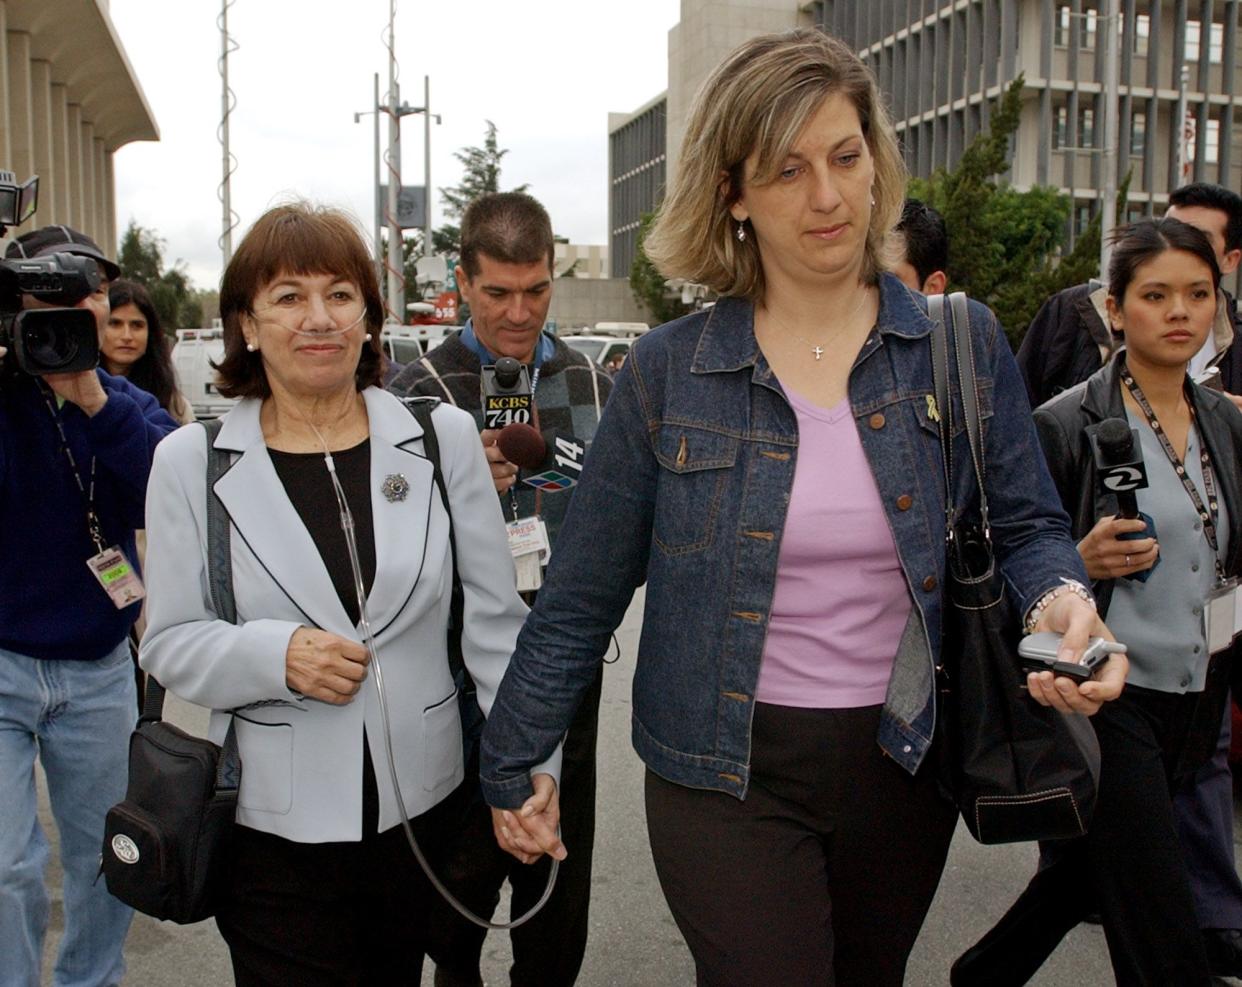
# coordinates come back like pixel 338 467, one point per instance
pixel 395 487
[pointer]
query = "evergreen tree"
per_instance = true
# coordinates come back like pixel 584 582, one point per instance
pixel 647 283
pixel 141 259
pixel 481 175
pixel 1005 246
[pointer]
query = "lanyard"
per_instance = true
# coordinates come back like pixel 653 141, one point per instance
pixel 92 519
pixel 1207 515
pixel 513 497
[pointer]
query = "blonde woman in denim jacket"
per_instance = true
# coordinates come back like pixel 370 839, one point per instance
pixel 771 468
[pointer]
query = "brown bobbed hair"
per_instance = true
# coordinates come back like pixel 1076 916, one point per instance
pixel 297 238
pixel 758 101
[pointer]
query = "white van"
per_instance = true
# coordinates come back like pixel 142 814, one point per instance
pixel 192 355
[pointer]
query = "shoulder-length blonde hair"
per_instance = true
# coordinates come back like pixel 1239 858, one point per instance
pixel 757 101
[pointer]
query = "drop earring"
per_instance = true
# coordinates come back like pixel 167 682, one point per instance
pixel 741 231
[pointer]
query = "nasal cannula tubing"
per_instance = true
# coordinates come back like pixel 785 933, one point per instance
pixel 347 525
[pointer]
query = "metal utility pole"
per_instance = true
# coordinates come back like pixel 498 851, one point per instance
pixel 228 162
pixel 1112 94
pixel 1183 127
pixel 379 205
pixel 426 166
pixel 396 270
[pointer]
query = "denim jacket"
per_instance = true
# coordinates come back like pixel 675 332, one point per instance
pixel 687 485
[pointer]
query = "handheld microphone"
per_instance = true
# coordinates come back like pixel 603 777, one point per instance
pixel 1119 463
pixel 553 459
pixel 507 395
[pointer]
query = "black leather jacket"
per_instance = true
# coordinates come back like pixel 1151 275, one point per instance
pixel 1062 425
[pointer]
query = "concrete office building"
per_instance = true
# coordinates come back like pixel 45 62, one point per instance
pixel 941 63
pixel 70 100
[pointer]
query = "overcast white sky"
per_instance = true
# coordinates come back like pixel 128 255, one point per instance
pixel 547 72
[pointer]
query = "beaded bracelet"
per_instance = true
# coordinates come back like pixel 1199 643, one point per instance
pixel 1045 601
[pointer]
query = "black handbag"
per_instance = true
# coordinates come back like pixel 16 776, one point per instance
pixel 166 846
pixel 1017 770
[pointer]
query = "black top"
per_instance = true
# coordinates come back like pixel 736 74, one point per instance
pixel 309 486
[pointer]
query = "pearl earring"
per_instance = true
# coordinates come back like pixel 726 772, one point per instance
pixel 741 231
pixel 366 338
pixel 251 348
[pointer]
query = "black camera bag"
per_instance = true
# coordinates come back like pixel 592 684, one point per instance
pixel 166 847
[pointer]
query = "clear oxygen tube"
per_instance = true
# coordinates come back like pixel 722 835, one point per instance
pixel 347 526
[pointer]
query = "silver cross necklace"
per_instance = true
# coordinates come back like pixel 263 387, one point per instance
pixel 818 348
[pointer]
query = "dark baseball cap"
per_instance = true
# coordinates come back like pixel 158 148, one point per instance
pixel 61 240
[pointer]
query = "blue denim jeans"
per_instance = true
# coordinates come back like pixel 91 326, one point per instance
pixel 76 716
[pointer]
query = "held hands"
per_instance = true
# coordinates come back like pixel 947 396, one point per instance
pixel 323 666
pixel 530 832
pixel 504 473
pixel 1109 557
pixel 1074 618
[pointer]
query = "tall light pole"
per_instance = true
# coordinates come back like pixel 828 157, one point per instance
pixel 425 110
pixel 378 217
pixel 396 270
pixel 228 162
pixel 1112 93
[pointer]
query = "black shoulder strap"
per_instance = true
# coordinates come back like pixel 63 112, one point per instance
pixel 421 409
pixel 967 388
pixel 220 582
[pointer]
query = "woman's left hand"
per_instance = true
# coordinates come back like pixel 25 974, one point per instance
pixel 530 832
pixel 1075 619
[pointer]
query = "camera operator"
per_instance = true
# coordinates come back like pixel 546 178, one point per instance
pixel 506 276
pixel 75 450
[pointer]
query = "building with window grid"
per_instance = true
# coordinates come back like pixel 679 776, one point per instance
pixel 69 99
pixel 942 63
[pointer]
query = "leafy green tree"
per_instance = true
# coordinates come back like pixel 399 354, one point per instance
pixel 1005 246
pixel 647 283
pixel 481 175
pixel 141 259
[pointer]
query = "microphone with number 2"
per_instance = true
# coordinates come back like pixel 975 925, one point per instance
pixel 1119 467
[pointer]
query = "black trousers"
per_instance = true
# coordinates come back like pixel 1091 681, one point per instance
pixel 547 950
pixel 333 914
pixel 822 875
pixel 1130 865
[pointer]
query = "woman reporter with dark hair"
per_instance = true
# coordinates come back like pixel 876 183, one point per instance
pixel 341 558
pixel 133 345
pixel 1163 299
pixel 772 469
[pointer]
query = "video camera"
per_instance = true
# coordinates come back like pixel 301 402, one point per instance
pixel 62 339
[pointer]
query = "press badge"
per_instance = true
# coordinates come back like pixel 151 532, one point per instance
pixel 117 577
pixel 526 535
pixel 528 543
pixel 1220 615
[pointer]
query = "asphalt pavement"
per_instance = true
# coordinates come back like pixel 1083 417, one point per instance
pixel 634 942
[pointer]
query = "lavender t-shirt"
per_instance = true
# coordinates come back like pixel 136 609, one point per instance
pixel 840 603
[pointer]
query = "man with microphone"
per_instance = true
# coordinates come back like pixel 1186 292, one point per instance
pixel 546 399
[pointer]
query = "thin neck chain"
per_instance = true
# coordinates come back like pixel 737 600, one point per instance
pixel 817 349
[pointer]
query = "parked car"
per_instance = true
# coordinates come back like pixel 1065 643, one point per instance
pixel 607 342
pixel 405 344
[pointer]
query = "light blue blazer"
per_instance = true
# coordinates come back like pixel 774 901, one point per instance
pixel 301 758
